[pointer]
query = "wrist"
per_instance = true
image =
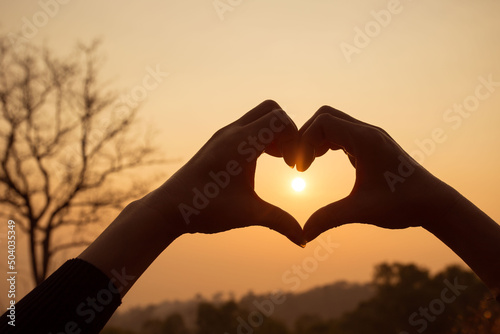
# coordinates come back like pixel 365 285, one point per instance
pixel 442 200
pixel 162 205
pixel 474 237
pixel 132 241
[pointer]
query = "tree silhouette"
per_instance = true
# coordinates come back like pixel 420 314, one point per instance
pixel 230 317
pixel 64 139
pixel 217 319
pixel 409 300
pixel 313 324
pixel 174 324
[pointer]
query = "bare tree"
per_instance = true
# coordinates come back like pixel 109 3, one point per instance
pixel 64 139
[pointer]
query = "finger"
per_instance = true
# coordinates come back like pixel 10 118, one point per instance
pixel 307 152
pixel 342 115
pixel 328 129
pixel 338 114
pixel 330 111
pixel 305 156
pixel 352 159
pixel 259 111
pixel 288 151
pixel 275 133
pixel 281 221
pixel 333 215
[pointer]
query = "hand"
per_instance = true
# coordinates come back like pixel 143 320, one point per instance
pixel 214 191
pixel 391 190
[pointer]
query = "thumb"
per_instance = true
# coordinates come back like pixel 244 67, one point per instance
pixel 273 217
pixel 330 216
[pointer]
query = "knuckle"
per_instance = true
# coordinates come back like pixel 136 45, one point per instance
pixel 323 110
pixel 270 104
pixel 226 131
pixel 375 136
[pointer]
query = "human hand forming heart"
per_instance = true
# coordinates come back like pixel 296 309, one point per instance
pixel 391 189
pixel 215 192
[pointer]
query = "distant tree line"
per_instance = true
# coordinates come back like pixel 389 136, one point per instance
pixel 407 300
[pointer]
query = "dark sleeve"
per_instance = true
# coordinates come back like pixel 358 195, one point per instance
pixel 76 298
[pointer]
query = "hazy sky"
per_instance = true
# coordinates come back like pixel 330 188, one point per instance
pixel 403 65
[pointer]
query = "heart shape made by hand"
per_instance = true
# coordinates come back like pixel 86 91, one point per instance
pixel 215 192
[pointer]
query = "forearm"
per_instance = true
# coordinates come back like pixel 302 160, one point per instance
pixel 132 241
pixel 473 236
pixel 82 295
pixel 76 298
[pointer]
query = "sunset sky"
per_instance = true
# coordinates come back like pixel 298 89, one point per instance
pixel 406 66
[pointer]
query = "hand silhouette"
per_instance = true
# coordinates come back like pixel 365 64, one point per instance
pixel 391 190
pixel 214 191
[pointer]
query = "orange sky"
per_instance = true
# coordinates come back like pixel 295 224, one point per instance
pixel 415 63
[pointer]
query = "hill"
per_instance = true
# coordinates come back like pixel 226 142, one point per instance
pixel 329 301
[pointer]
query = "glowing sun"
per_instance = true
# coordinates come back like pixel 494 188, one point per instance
pixel 298 184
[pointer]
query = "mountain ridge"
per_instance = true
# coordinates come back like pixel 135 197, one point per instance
pixel 327 301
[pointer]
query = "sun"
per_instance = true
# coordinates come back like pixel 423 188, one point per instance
pixel 298 184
